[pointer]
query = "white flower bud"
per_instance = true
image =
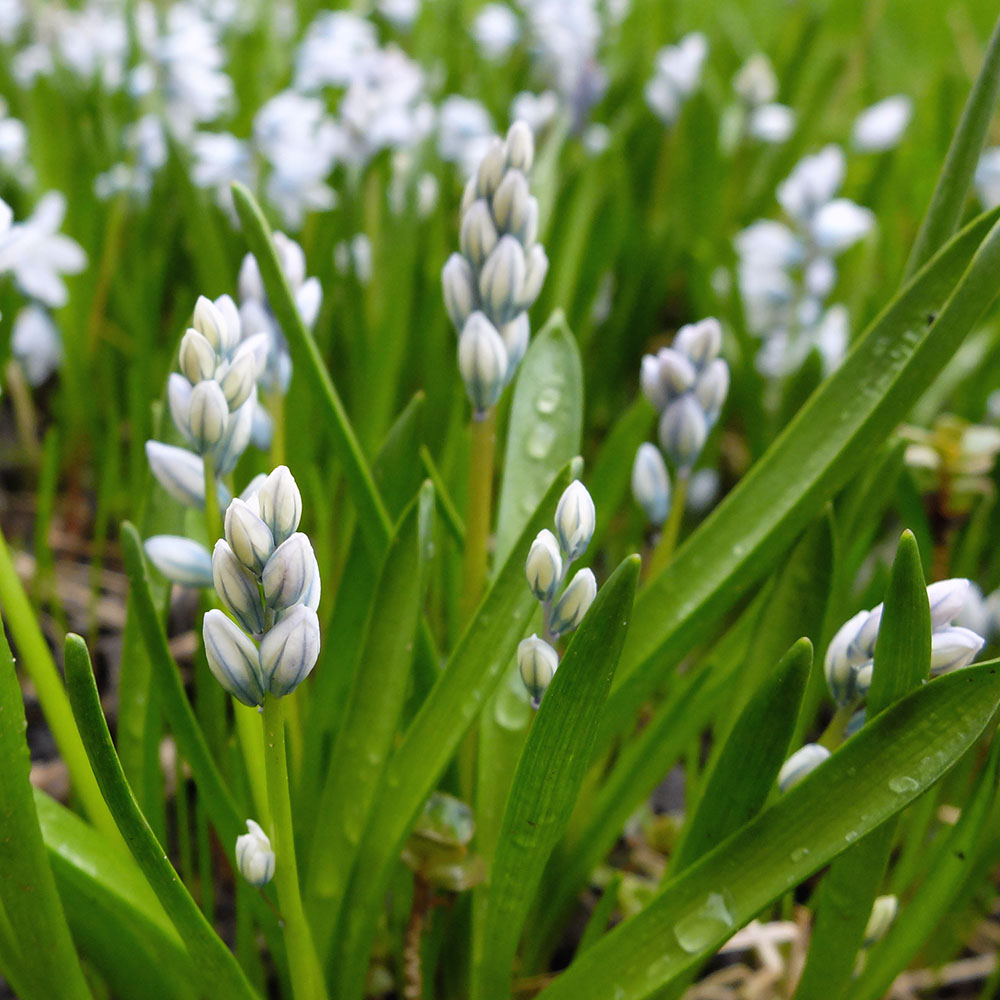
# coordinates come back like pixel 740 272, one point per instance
pixel 515 336
pixel 280 503
pixel 510 203
pixel 254 857
pixel 573 605
pixel 196 357
pixel 289 572
pixel 954 647
pixel 232 658
pixel 537 661
pixel 652 385
pixel 490 171
pixel 884 911
pixel 881 126
pixel 536 266
pixel 863 677
pixel 180 559
pixel 237 377
pixel 520 146
pixel 234 441
pixel 478 236
pixel 839 224
pixel 230 323
pixel 208 415
pixel 469 195
pixel 840 666
pixel 179 402
pixel 248 536
pixel 700 342
pixel 651 483
pixel 863 646
pixel 311 596
pixel 180 472
pixel 807 759
pixel 289 650
pixel 237 587
pixel 525 228
pixel 947 598
pixel 501 280
pixel 249 282
pixel 210 323
pixel 459 285
pixel 544 565
pixel 712 388
pixel 683 430
pixel 677 373
pixel 482 361
pixel 575 520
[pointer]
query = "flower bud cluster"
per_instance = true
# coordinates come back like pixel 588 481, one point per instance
pixel 254 857
pixel 546 568
pixel 687 384
pixel 212 400
pixel 266 574
pixel 491 284
pixel 850 656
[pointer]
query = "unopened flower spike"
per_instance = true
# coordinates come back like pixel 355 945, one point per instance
pixel 489 286
pixel 267 576
pixel 254 857
pixel 546 569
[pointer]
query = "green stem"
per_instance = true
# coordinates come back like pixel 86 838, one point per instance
pixel 213 516
pixel 482 444
pixel 307 977
pixel 668 540
pixel 276 407
pixel 833 735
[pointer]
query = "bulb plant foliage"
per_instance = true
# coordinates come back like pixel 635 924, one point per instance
pixel 352 729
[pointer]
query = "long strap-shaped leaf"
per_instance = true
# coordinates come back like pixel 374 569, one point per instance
pixel 375 523
pixel 46 961
pixel 952 188
pixel 828 440
pixel 549 775
pixel 872 777
pixel 469 678
pixel 218 971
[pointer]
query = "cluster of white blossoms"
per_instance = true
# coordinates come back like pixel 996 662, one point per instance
pixel 687 384
pixel 758 115
pixel 676 73
pixel 547 567
pixel 266 574
pixel 850 656
pixel 491 284
pixel 786 273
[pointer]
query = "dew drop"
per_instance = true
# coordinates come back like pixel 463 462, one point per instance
pixel 512 707
pixel 541 440
pixel 799 854
pixel 548 399
pixel 851 836
pixel 701 927
pixel 903 784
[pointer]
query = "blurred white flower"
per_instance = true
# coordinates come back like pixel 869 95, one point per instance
pixel 13 14
pixel 839 224
pixel 355 255
pixel 755 82
pixel 881 126
pixel 37 254
pixel 36 344
pixel 771 123
pixel 332 49
pixel 676 73
pixel 218 159
pixel 399 13
pixel 812 183
pixel 538 110
pixel 496 30
pixel 464 131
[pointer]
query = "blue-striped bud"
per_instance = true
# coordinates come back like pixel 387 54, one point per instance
pixel 459 284
pixel 179 403
pixel 280 503
pixel 712 388
pixel 289 572
pixel 248 536
pixel 237 587
pixel 954 647
pixel 181 473
pixel 651 483
pixel 208 415
pixel 232 658
pixel 482 361
pixel 947 598
pixel 537 662
pixel 519 146
pixel 197 358
pixel 575 520
pixel 574 603
pixel 683 430
pixel 234 441
pixel 254 857
pixel 700 341
pixel 544 565
pixel 501 280
pixel 180 559
pixel 289 650
pixel 801 763
pixel 536 266
pixel 491 169
pixel 478 235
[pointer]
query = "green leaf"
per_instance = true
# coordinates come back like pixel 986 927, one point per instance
pixel 546 424
pixel 46 961
pixel 370 724
pixel 549 774
pixel 375 524
pixel 945 209
pixel 117 921
pixel 397 469
pixel 902 662
pixel 467 681
pixel 874 775
pixel 940 886
pixel 747 767
pixel 217 969
pixel 829 439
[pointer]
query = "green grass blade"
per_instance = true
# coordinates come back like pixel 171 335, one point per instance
pixel 372 515
pixel 830 437
pixel 474 669
pixel 940 887
pixel 116 919
pixel 745 771
pixel 902 662
pixel 945 209
pixel 549 774
pixel 546 424
pixel 874 775
pixel 370 724
pixel 47 964
pixel 218 972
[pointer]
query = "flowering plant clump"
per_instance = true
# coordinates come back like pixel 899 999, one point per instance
pixel 498 500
